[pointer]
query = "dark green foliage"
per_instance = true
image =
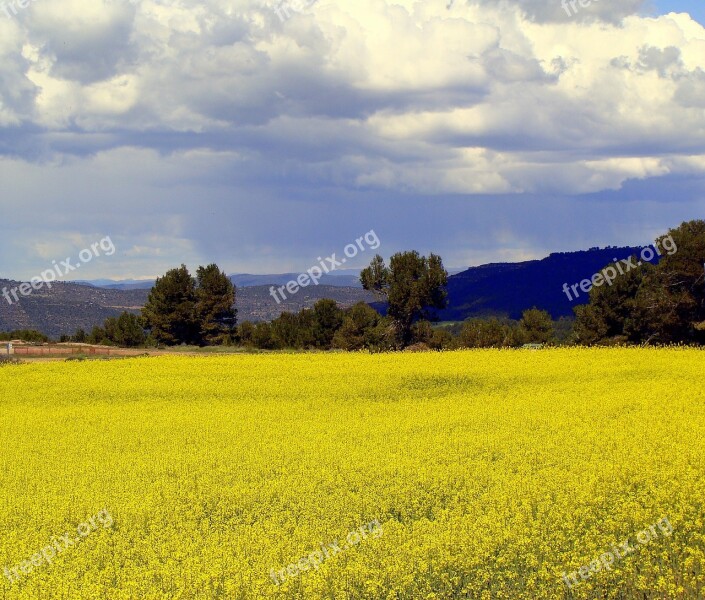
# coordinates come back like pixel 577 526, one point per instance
pixel 215 300
pixel 170 311
pixel 563 328
pixel 671 299
pixel 422 333
pixel 125 330
pixel 536 327
pixel 310 328
pixel 98 335
pixel 413 285
pixel 184 310
pixel 26 335
pixel 490 333
pixel 245 332
pixel 323 327
pixel 661 304
pixel 327 319
pixel 291 331
pixel 376 276
pixel 613 311
pixel 262 336
pixel 128 331
pixel 363 329
pixel 441 340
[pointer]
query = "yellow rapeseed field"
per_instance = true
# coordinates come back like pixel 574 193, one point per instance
pixel 474 474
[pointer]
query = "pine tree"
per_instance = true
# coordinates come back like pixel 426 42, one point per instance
pixel 170 311
pixel 215 300
pixel 413 285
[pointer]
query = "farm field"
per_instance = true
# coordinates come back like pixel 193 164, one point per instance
pixel 470 474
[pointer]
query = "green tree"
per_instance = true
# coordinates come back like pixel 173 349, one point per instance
pixel 245 333
pixel 358 329
pixel 671 299
pixel 662 304
pixel 613 314
pixel 488 333
pixel 170 311
pixel 97 336
pixel 110 328
pixel 26 335
pixel 327 319
pixel 129 332
pixel 215 300
pixel 262 336
pixel 285 331
pixel 304 324
pixel 413 285
pixel 590 325
pixel 441 339
pixel 310 328
pixel 536 327
pixel 563 328
pixel 422 332
pixel 125 330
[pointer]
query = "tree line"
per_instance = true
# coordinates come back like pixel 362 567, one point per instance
pixel 199 310
pixel 652 304
pixel 661 303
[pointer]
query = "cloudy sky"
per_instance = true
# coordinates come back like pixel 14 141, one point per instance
pixel 219 131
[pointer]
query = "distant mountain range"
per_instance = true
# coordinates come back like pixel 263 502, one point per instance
pixel 66 307
pixel 507 289
pixel 346 278
pixel 338 278
pixel 501 289
pixel 69 306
